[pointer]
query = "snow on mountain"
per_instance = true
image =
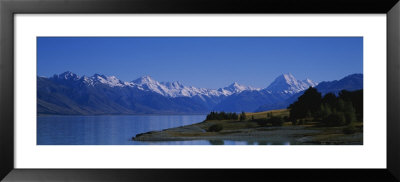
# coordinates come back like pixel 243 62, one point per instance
pixel 235 88
pixel 149 84
pixel 177 89
pixel 285 84
pixel 173 85
pixel 66 76
pixel 111 81
pixel 145 80
pixel 169 89
pixel 288 84
pixel 87 81
pixel 310 82
pixel 96 79
pixel 146 95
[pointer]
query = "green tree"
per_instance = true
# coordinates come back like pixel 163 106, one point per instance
pixel 221 116
pixel 336 119
pixel 325 111
pixel 242 116
pixel 340 105
pixel 356 98
pixel 275 121
pixel 349 113
pixel 329 99
pixel 308 114
pixel 309 101
pixel 330 109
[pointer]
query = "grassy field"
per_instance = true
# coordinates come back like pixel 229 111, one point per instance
pixel 260 115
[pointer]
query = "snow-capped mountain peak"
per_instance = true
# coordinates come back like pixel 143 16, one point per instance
pixel 145 80
pixel 111 81
pixel 235 88
pixel 288 76
pixel 173 85
pixel 67 76
pixel 289 79
pixel 288 84
pixel 149 84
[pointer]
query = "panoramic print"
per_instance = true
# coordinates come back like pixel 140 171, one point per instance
pixel 199 91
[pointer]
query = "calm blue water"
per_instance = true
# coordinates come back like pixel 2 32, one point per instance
pixel 104 130
pixel 115 130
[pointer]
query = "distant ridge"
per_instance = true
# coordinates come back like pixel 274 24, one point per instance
pixel 67 93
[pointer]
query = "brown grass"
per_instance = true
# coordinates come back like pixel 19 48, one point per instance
pixel 260 115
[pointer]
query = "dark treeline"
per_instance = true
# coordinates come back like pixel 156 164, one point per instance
pixel 270 120
pixel 330 110
pixel 222 116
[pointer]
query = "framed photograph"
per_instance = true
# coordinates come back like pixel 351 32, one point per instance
pixel 117 91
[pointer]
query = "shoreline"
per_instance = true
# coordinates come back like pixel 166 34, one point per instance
pixel 41 115
pixel 295 135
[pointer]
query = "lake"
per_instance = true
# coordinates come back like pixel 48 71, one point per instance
pixel 105 130
pixel 115 130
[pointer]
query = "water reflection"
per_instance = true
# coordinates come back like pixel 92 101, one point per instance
pixel 267 143
pixel 217 142
pixel 214 142
pixel 104 130
pixel 118 130
pixel 263 143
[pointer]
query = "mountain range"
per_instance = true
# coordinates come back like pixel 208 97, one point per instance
pixel 70 94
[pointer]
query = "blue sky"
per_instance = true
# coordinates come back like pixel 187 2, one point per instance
pixel 209 62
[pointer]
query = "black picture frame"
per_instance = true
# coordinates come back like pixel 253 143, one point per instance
pixel 8 8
